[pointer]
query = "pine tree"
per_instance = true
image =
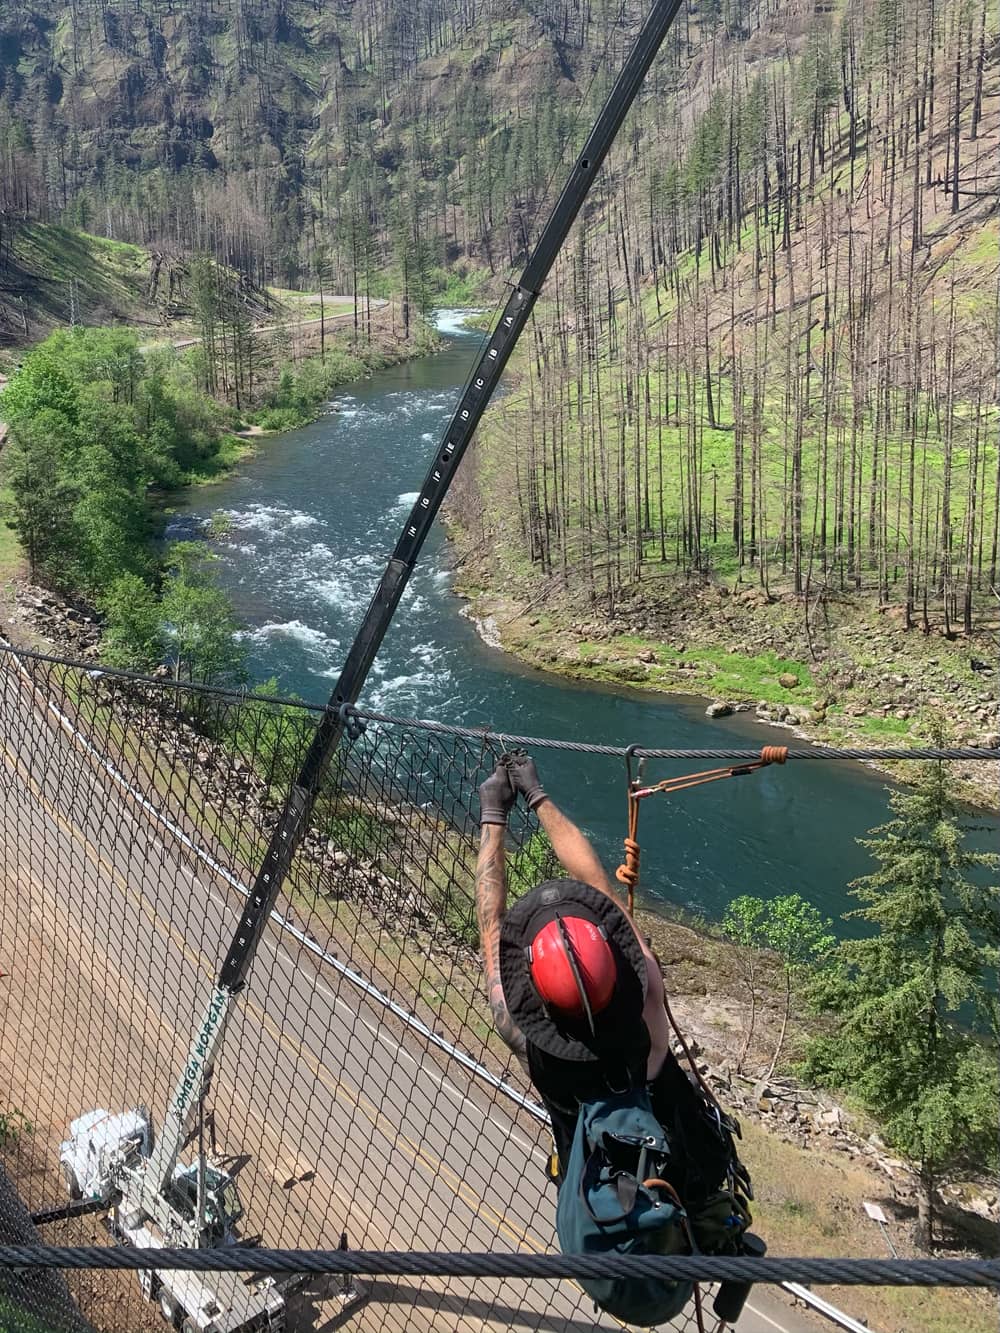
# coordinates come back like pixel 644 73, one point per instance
pixel 918 1001
pixel 42 495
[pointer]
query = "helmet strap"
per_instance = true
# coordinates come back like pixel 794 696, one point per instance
pixel 568 946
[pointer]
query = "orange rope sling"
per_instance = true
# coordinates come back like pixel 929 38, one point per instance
pixel 628 872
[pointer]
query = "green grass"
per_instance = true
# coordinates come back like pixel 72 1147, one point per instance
pixel 306 305
pixel 982 249
pixel 14 1318
pixel 13 1124
pixel 511 425
pixel 883 726
pixel 732 676
pixel 101 276
pixel 11 554
pixel 231 452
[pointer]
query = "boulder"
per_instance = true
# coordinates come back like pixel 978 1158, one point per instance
pixel 787 680
pixel 991 741
pixel 647 655
pixel 718 709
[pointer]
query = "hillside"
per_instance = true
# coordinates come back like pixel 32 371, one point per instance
pixel 758 418
pixel 369 143
pixel 285 137
pixel 768 354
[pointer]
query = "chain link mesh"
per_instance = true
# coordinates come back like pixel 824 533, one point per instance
pixel 361 1093
pixel 131 814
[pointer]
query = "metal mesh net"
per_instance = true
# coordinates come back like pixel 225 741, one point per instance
pixel 361 1088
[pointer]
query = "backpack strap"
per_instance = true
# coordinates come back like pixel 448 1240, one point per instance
pixel 590 1177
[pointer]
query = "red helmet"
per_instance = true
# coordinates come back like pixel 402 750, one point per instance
pixel 572 967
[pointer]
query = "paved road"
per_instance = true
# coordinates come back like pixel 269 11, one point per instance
pixel 335 1120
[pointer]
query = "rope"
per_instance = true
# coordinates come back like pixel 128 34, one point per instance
pixel 392 1263
pixel 188 688
pixel 697 1308
pixel 628 872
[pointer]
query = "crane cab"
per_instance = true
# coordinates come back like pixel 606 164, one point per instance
pixel 100 1146
pixel 222 1206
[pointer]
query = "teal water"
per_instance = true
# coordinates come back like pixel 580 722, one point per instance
pixel 313 520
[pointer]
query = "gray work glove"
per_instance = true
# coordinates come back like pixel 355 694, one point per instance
pixel 496 797
pixel 524 777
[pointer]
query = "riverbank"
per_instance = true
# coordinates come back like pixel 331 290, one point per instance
pixel 845 673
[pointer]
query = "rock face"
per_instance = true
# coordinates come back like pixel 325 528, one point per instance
pixel 718 709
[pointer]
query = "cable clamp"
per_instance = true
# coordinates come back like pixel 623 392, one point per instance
pixel 354 726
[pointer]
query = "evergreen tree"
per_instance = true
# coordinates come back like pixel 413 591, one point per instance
pixel 40 509
pixel 200 625
pixel 908 995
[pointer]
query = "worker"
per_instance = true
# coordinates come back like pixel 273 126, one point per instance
pixel 577 993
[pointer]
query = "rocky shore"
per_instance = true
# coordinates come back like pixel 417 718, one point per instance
pixel 851 676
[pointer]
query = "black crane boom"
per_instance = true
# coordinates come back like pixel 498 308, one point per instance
pixel 295 815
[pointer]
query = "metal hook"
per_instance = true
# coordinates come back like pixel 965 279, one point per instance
pixel 629 756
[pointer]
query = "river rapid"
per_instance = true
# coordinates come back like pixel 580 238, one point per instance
pixel 313 519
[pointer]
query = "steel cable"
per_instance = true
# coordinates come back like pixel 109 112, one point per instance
pixel 857 754
pixel 422 1263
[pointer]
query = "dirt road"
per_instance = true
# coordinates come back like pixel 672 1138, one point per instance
pixel 377 303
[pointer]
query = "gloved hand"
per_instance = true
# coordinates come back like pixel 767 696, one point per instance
pixel 496 797
pixel 524 777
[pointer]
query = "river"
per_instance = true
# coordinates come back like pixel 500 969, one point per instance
pixel 313 518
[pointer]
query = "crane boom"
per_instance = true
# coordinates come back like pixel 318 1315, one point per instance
pixel 294 818
pixel 182 1108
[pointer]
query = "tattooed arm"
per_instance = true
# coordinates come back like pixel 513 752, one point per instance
pixel 491 903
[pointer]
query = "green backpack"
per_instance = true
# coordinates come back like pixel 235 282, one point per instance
pixel 615 1199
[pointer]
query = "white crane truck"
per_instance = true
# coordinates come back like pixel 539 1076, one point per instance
pixel 156 1201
